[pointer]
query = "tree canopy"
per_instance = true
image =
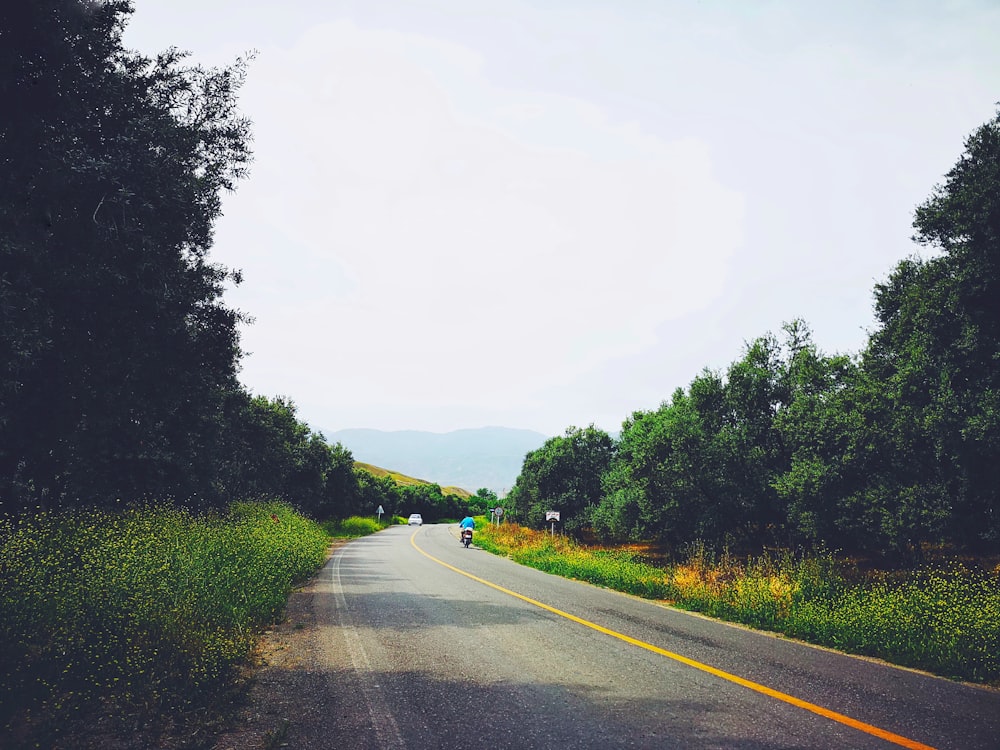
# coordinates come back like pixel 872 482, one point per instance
pixel 936 355
pixel 563 475
pixel 118 355
pixel 118 351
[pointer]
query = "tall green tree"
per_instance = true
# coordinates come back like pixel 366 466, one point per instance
pixel 937 352
pixel 650 483
pixel 376 491
pixel 670 477
pixel 702 466
pixel 757 389
pixel 270 454
pixel 564 475
pixel 826 487
pixel 483 501
pixel 117 354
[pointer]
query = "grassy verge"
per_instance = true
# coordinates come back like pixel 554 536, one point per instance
pixel 354 526
pixel 139 612
pixel 945 620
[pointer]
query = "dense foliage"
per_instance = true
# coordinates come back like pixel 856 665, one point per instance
pixel 564 475
pixel 397 499
pixel 886 451
pixel 118 357
pixel 483 502
pixel 117 351
pixel 936 357
pixel 146 609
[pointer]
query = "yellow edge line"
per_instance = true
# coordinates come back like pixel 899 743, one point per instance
pixel 776 694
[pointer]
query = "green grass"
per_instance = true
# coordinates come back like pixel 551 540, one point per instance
pixel 354 526
pixel 144 610
pixel 944 620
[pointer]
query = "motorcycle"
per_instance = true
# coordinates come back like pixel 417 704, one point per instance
pixel 466 537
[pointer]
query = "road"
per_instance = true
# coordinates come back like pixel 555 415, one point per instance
pixel 429 645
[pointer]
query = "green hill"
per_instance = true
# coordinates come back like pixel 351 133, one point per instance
pixel 378 471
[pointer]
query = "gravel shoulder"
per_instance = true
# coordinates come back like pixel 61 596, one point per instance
pixel 286 703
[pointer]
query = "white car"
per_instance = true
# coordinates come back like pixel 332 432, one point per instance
pixel 415 520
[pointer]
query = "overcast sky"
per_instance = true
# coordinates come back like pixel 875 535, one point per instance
pixel 551 213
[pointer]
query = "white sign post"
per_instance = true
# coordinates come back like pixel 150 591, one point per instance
pixel 553 516
pixel 497 513
pixel 379 513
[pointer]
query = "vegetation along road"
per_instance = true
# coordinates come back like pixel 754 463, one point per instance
pixel 427 644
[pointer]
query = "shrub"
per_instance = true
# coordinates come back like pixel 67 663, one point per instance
pixel 150 607
pixel 354 526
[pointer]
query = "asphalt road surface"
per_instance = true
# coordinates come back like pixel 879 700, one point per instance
pixel 431 645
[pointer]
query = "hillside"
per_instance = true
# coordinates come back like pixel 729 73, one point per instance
pixel 488 457
pixel 378 471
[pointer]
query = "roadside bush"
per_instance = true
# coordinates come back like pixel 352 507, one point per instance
pixel 354 526
pixel 145 608
pixel 945 620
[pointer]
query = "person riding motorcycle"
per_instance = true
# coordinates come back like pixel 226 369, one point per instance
pixel 465 523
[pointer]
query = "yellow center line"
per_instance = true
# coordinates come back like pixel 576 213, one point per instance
pixel 776 694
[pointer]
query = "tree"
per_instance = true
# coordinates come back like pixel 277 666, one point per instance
pixel 757 390
pixel 668 479
pixel 117 353
pixel 564 475
pixel 936 353
pixel 703 465
pixel 430 502
pixel 341 493
pixel 833 452
pixel 633 496
pixel 482 501
pixel 270 454
pixel 376 491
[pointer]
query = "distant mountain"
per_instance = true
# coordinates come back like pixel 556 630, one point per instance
pixel 488 457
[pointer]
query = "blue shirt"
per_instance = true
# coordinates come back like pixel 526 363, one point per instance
pixel 467 523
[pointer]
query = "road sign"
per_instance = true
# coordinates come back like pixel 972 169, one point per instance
pixel 498 510
pixel 552 515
